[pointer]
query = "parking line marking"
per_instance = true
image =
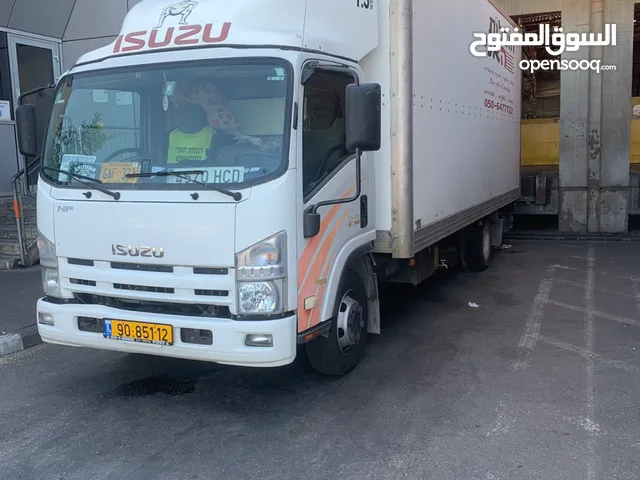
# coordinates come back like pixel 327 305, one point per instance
pixel 532 326
pixel 635 283
pixel 568 347
pixel 595 313
pixel 623 277
pixel 601 290
pixel 589 340
pixel 503 422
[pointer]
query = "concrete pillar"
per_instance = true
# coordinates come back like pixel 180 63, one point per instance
pixel 574 124
pixel 595 122
pixel 614 199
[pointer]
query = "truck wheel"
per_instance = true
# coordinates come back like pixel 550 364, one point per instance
pixel 478 247
pixel 342 350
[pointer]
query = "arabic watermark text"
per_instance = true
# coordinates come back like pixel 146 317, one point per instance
pixel 534 65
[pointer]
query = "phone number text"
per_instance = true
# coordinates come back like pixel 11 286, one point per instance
pixel 501 107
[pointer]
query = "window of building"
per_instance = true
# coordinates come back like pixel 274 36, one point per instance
pixel 324 134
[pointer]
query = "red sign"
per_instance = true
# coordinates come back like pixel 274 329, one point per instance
pixel 186 35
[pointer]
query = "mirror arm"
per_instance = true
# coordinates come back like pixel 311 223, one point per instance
pixel 313 209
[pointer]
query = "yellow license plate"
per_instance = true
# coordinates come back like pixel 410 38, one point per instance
pixel 156 333
pixel 115 172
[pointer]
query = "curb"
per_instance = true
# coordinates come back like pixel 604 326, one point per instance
pixel 24 338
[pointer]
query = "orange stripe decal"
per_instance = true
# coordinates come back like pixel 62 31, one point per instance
pixel 320 291
pixel 308 287
pixel 304 263
pixel 310 268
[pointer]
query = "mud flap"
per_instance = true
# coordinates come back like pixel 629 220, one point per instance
pixel 366 271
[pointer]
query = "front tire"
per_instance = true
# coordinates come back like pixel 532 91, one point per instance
pixel 341 351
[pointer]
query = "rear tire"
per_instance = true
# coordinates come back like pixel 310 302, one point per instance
pixel 478 247
pixel 340 352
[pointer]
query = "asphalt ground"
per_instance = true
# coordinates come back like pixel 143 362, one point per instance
pixel 540 381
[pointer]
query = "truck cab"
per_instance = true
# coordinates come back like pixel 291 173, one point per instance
pixel 206 181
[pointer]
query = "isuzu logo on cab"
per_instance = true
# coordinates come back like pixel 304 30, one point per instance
pixel 137 251
pixel 190 35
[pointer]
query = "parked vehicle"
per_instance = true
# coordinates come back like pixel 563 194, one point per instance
pixel 227 182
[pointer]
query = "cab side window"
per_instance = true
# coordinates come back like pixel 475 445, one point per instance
pixel 324 133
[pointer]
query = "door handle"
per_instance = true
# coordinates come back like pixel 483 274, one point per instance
pixel 364 212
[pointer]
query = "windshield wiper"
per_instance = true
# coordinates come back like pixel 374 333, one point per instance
pixel 237 196
pixel 84 180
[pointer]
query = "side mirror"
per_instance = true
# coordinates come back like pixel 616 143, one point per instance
pixel 310 224
pixel 363 116
pixel 26 127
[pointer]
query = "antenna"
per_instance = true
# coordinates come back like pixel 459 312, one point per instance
pixel 304 25
pixel 88 49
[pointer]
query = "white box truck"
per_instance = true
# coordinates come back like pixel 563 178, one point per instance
pixel 229 181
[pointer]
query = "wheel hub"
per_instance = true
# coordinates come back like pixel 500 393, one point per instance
pixel 486 243
pixel 349 322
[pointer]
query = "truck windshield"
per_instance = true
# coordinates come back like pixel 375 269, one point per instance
pixel 228 120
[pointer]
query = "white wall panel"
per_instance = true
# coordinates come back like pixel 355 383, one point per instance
pixel 465 153
pixel 95 18
pixel 6 7
pixel 73 50
pixel 38 16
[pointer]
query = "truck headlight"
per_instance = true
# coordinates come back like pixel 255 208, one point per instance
pixel 49 264
pixel 261 277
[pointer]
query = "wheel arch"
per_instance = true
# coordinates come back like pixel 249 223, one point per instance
pixel 360 261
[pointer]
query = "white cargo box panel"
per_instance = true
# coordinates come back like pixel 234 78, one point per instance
pixel 466 117
pixel 454 148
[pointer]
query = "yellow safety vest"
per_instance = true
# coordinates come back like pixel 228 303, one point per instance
pixel 189 146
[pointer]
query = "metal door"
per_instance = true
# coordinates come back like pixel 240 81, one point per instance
pixel 34 63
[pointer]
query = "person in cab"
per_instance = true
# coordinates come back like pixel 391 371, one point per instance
pixel 192 139
pixel 204 121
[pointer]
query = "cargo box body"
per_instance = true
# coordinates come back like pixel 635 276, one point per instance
pixel 451 121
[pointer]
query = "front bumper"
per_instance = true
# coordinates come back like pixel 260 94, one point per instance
pixel 228 335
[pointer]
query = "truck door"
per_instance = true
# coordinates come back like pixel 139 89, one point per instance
pixel 327 171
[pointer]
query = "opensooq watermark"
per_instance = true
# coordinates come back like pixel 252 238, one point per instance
pixel 495 43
